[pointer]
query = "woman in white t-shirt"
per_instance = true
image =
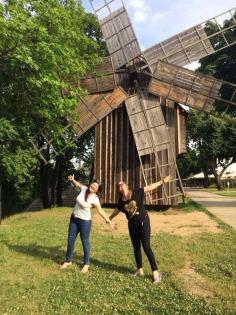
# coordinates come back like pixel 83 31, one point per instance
pixel 80 221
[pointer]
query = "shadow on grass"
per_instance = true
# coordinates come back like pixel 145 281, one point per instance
pixel 56 254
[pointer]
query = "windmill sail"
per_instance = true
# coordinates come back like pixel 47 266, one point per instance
pixel 196 42
pixel 190 88
pixel 90 110
pixel 94 108
pixel 101 79
pixel 117 31
pixel 48 141
pixel 152 138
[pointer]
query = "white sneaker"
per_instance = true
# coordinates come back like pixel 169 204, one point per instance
pixel 66 264
pixel 157 279
pixel 85 269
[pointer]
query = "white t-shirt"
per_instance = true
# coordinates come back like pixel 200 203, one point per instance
pixel 82 209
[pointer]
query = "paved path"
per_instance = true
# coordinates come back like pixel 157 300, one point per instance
pixel 222 207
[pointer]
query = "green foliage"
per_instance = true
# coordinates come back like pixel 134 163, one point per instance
pixel 222 64
pixel 188 164
pixel 44 50
pixel 17 165
pixel 213 137
pixel 45 46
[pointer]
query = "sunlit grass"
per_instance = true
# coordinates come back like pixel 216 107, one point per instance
pixel 226 192
pixel 32 247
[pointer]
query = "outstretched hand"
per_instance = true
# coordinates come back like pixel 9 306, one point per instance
pixel 167 179
pixel 71 178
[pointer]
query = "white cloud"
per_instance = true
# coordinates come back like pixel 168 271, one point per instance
pixel 140 16
pixel 142 12
pixel 138 4
pixel 155 21
pixel 142 47
pixel 193 66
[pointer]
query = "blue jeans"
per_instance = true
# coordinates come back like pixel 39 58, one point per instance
pixel 78 226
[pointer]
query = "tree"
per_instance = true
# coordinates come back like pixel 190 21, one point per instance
pixel 214 137
pixel 45 47
pixel 188 163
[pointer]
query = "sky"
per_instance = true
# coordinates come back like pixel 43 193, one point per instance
pixel 157 20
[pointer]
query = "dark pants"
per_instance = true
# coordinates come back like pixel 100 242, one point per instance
pixel 140 231
pixel 78 226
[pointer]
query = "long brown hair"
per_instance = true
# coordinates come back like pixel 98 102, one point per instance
pixel 98 193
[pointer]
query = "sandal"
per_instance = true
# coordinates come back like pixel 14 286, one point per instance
pixel 138 274
pixel 157 279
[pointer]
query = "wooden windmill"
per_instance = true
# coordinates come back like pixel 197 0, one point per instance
pixel 133 95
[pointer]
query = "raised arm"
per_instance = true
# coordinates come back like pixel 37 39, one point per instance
pixel 157 184
pixel 77 184
pixel 104 216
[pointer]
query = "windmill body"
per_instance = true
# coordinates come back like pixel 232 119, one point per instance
pixel 133 100
pixel 139 142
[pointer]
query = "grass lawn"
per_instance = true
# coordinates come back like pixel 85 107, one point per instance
pixel 226 192
pixel 199 271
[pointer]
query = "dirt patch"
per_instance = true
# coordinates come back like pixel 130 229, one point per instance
pixel 194 282
pixel 178 223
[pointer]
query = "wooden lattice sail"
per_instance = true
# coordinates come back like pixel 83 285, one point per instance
pixel 152 138
pixel 101 79
pixel 196 42
pixel 92 108
pixel 117 31
pixel 190 88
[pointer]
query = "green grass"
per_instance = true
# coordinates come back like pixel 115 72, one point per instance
pixel 226 192
pixel 32 246
pixel 191 206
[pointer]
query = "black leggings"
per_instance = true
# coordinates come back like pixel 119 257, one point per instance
pixel 140 231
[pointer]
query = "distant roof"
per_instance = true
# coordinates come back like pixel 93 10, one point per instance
pixel 230 172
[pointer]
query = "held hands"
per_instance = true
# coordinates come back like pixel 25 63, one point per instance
pixel 112 225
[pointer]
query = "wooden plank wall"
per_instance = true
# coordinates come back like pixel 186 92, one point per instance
pixel 116 155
